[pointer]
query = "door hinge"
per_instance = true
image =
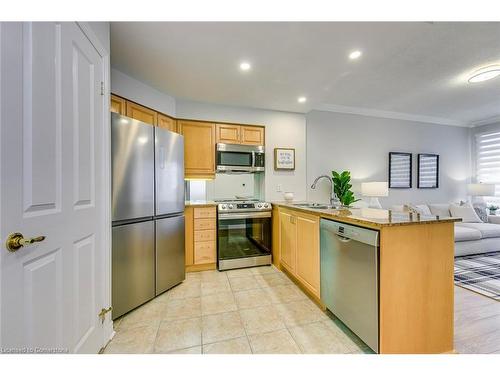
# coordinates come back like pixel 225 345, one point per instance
pixel 103 312
pixel 102 88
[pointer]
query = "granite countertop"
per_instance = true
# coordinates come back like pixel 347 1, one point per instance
pixel 200 203
pixel 369 217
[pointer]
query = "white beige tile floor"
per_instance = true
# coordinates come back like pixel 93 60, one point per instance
pixel 254 310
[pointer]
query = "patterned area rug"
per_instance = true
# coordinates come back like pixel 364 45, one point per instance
pixel 479 273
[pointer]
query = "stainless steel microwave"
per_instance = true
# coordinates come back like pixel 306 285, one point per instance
pixel 240 158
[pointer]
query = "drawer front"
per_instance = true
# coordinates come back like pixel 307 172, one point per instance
pixel 204 235
pixel 204 212
pixel 204 224
pixel 204 252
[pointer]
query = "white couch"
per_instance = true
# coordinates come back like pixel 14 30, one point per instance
pixel 470 237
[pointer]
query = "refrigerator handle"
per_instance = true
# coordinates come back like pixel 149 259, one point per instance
pixel 162 157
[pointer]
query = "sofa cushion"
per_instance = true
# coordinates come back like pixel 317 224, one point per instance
pixel 463 233
pixel 440 209
pixel 466 212
pixel 487 230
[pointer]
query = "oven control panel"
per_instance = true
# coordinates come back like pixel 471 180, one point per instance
pixel 244 206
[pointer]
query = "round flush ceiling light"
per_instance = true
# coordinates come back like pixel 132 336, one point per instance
pixel 245 66
pixel 302 99
pixel 485 74
pixel 355 55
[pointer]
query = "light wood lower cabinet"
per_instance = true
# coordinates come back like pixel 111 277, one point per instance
pixel 299 248
pixel 201 241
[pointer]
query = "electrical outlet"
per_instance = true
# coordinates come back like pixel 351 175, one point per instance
pixel 278 188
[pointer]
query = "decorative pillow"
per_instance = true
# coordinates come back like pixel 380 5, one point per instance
pixel 422 209
pixel 466 212
pixel 440 209
pixel 481 211
pixel 398 208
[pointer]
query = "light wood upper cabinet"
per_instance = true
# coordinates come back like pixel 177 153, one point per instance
pixel 199 148
pixel 228 133
pixel 307 265
pixel 141 113
pixel 167 123
pixel 252 135
pixel 288 240
pixel 240 134
pixel 118 105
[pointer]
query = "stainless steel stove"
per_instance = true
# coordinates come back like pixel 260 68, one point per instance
pixel 244 233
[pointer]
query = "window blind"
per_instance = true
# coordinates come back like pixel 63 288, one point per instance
pixel 488 160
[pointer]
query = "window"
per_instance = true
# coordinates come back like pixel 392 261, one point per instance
pixel 488 162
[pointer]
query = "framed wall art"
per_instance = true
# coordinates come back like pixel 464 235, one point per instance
pixel 428 171
pixel 284 159
pixel 400 170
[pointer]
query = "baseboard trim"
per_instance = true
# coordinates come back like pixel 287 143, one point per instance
pixel 201 267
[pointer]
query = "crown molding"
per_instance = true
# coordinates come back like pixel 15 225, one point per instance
pixel 487 121
pixel 389 115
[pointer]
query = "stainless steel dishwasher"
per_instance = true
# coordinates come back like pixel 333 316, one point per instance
pixel 349 277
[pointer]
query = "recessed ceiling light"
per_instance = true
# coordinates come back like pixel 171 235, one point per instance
pixel 485 74
pixel 302 99
pixel 245 66
pixel 355 55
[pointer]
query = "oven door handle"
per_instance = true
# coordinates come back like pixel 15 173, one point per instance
pixel 244 215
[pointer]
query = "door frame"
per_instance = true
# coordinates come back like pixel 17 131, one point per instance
pixel 106 174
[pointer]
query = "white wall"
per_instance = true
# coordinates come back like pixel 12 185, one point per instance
pixel 361 144
pixel 137 91
pixel 283 129
pixel 101 30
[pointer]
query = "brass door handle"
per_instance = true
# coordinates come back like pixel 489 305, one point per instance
pixel 16 240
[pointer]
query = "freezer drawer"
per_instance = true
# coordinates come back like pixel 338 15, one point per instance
pixel 133 266
pixel 132 148
pixel 170 253
pixel 169 168
pixel 349 277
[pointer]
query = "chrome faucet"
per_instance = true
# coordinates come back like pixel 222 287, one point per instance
pixel 333 197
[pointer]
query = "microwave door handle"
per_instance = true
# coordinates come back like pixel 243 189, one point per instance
pixel 253 158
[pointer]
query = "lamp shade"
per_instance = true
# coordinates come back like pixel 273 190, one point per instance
pixel 481 190
pixel 374 189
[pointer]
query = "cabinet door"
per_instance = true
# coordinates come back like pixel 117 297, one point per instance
pixel 189 235
pixel 252 135
pixel 167 123
pixel 288 241
pixel 199 148
pixel 227 133
pixel 141 113
pixel 118 105
pixel 308 266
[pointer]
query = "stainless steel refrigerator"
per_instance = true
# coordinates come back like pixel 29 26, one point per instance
pixel 148 212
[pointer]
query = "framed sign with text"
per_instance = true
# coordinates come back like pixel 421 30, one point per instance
pixel 284 159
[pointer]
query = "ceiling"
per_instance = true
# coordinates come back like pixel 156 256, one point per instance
pixel 407 70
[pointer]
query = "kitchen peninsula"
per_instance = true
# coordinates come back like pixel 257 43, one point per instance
pixel 414 266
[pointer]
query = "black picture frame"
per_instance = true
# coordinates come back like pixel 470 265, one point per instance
pixel 424 180
pixel 406 158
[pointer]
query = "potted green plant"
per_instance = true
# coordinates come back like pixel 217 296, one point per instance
pixel 493 209
pixel 342 188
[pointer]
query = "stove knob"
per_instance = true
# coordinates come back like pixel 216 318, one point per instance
pixel 230 206
pixel 266 205
pixel 223 206
pixel 259 205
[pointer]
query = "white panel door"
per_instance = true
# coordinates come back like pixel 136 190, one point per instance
pixel 51 117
